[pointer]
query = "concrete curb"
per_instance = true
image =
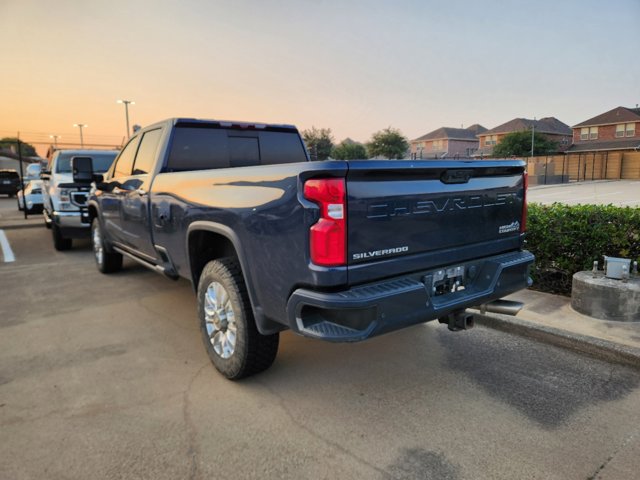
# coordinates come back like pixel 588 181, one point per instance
pixel 594 347
pixel 13 226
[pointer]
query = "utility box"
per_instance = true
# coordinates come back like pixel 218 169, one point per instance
pixel 616 268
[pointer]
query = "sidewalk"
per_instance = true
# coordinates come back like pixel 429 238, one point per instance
pixel 551 319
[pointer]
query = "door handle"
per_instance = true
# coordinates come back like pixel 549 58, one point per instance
pixel 142 192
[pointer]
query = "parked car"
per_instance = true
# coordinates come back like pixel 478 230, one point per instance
pixel 63 199
pixel 9 182
pixel 32 172
pixel 336 250
pixel 32 197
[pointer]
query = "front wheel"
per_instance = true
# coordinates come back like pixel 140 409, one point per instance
pixel 60 243
pixel 228 328
pixel 106 261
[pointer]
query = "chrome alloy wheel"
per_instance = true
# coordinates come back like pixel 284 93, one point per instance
pixel 220 320
pixel 98 249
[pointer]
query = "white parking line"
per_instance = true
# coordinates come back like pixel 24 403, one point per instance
pixel 6 248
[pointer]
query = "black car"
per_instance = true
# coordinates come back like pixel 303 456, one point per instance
pixel 9 182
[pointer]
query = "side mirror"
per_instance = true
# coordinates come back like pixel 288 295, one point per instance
pixel 82 168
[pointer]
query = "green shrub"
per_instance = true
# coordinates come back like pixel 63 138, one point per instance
pixel 568 238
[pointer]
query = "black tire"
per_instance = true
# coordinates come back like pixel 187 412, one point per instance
pixel 60 243
pixel 109 261
pixel 253 352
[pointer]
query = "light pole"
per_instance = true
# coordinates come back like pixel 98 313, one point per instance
pixel 126 111
pixel 81 126
pixel 533 129
pixel 55 139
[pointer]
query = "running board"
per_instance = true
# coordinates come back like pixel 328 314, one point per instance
pixel 149 265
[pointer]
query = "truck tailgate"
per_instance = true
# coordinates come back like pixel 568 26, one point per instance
pixel 416 207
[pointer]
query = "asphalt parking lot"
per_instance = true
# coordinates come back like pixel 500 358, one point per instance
pixel 106 377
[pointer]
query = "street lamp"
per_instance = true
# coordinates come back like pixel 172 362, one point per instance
pixel 81 126
pixel 533 131
pixel 126 111
pixel 55 139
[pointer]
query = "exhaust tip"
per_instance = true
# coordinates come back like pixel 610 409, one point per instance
pixel 505 307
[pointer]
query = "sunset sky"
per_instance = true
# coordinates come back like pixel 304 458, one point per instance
pixel 352 66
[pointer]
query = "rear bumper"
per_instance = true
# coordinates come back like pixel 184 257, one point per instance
pixel 373 309
pixel 9 189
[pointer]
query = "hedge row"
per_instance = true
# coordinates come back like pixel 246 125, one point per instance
pixel 568 238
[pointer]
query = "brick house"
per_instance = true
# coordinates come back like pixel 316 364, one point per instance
pixel 617 129
pixel 549 127
pixel 447 142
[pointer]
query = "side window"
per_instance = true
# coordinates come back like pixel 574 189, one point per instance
pixel 147 152
pixel 124 163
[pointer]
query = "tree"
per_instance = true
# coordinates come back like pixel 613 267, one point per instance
pixel 11 143
pixel 349 150
pixel 388 143
pixel 319 142
pixel 519 144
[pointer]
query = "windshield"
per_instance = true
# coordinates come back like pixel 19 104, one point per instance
pixel 101 161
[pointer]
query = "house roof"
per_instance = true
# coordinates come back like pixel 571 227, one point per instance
pixel 616 115
pixel 468 133
pixel 608 145
pixel 545 125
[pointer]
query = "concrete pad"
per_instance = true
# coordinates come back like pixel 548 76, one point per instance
pixel 605 298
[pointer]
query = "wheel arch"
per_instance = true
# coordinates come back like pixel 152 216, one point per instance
pixel 207 241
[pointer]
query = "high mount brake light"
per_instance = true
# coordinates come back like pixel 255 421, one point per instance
pixel 328 237
pixel 525 186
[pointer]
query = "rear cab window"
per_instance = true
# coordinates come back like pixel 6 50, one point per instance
pixel 204 147
pixel 101 160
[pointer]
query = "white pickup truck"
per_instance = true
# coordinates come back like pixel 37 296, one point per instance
pixel 64 199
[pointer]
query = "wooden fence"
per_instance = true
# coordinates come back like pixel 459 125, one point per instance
pixel 578 167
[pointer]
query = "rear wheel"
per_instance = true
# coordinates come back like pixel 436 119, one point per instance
pixel 60 243
pixel 106 261
pixel 228 328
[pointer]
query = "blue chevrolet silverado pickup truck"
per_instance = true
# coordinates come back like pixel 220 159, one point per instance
pixel 335 250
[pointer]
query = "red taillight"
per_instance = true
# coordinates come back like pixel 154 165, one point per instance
pixel 525 186
pixel 328 237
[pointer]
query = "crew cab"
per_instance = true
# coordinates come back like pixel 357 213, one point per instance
pixel 63 199
pixel 336 250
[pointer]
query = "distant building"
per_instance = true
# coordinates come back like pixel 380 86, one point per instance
pixel 447 142
pixel 549 127
pixel 617 129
